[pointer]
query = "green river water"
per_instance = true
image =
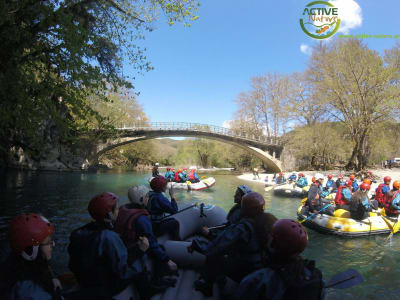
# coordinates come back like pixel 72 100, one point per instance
pixel 63 198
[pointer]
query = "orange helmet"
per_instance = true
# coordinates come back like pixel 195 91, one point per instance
pixel 366 180
pixel 313 179
pixel 330 176
pixel 396 185
pixel 352 177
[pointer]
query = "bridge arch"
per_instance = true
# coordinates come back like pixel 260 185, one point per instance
pixel 267 150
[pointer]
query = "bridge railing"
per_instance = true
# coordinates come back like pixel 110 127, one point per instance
pixel 185 126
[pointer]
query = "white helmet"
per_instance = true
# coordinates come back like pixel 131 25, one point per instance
pixel 157 164
pixel 137 194
pixel 319 176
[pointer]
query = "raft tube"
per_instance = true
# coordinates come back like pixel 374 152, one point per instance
pixel 198 186
pixel 189 264
pixel 291 190
pixel 348 227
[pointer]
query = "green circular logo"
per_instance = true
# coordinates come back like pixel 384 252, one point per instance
pixel 320 20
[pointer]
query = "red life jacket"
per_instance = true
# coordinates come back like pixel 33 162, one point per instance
pixel 191 175
pixel 339 199
pixel 177 179
pixel 125 224
pixel 379 196
pixel 387 203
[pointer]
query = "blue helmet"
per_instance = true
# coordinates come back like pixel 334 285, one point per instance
pixel 245 189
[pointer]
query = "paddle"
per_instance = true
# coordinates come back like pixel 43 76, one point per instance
pixel 345 280
pixel 314 214
pixel 268 188
pixel 218 227
pixel 179 211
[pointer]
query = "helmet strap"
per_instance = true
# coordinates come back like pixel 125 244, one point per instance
pixel 35 251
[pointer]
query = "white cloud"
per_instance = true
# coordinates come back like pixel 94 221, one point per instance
pixel 350 14
pixel 305 49
pixel 226 124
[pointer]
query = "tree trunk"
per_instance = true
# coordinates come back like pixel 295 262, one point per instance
pixel 350 164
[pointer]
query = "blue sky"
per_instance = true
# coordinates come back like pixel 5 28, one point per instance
pixel 200 70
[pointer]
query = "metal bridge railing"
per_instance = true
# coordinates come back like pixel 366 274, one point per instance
pixel 184 126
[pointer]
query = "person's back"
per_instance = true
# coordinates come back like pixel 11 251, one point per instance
pixel 359 205
pixel 302 182
pixel 382 189
pixel 343 196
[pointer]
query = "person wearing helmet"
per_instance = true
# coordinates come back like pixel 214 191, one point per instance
pixel 330 184
pixel 155 172
pixel 97 253
pixel 392 200
pixel 302 181
pixel 382 190
pixel 159 205
pixel 234 214
pixel 340 181
pixel 27 274
pixel 370 177
pixel 343 196
pixel 292 177
pixel 193 178
pixel 235 252
pixel 360 205
pixel 133 223
pixel 184 175
pixel 315 201
pixel 285 274
pixel 177 177
pixel 169 175
pixel 354 184
pixel 280 179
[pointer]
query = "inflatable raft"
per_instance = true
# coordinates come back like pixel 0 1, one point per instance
pixel 291 190
pixel 345 226
pixel 198 186
pixel 190 222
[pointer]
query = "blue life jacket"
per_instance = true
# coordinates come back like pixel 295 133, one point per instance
pixel 302 182
pixel 159 205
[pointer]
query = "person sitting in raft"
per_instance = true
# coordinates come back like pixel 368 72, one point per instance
pixel 159 205
pixel 182 176
pixel 193 178
pixel 155 171
pixel 133 223
pixel 340 181
pixel 169 175
pixel 302 181
pixel 98 257
pixel 392 201
pixel 330 184
pixel 370 177
pixel 280 179
pixel 343 196
pixel 185 175
pixel 234 214
pixel 177 177
pixel 354 184
pixel 292 178
pixel 360 205
pixel 236 252
pixel 285 275
pixel 26 273
pixel 315 201
pixel 382 190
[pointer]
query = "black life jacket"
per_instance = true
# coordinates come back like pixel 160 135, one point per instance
pixel 307 287
pixel 357 209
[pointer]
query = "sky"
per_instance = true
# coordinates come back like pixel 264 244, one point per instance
pixel 199 71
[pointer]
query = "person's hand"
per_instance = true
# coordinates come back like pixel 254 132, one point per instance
pixel 171 192
pixel 56 284
pixel 143 243
pixel 205 231
pixel 172 266
pixel 315 211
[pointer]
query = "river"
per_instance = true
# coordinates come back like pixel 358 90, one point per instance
pixel 63 198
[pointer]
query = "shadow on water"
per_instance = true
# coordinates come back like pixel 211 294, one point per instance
pixel 63 198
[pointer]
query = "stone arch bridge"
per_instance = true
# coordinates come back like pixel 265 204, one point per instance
pixel 267 149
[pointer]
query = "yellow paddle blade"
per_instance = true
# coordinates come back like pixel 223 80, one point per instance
pixel 388 223
pixel 383 212
pixel 303 201
pixel 396 227
pixel 188 183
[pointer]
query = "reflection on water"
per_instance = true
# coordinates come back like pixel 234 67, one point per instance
pixel 63 198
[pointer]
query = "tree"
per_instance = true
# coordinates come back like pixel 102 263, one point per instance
pixel 359 89
pixel 54 54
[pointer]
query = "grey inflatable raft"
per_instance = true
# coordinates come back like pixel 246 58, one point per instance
pixel 190 222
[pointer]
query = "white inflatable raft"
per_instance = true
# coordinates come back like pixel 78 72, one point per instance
pixel 190 222
pixel 291 190
pixel 198 186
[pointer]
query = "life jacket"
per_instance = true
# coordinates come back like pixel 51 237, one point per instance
pixel 357 210
pixel 250 253
pixel 125 224
pixel 379 195
pixel 155 216
pixel 339 199
pixel 177 178
pixel 191 176
pixel 308 288
pixel 387 203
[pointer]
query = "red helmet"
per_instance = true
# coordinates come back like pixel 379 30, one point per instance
pixel 252 204
pixel 184 169
pixel 168 168
pixel 28 230
pixel 330 176
pixel 313 179
pixel 396 185
pixel 349 183
pixel 158 183
pixel 281 173
pixel 370 172
pixel 301 175
pixel 289 237
pixel 387 179
pixel 101 205
pixel 352 177
pixel 340 176
pixel 365 186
